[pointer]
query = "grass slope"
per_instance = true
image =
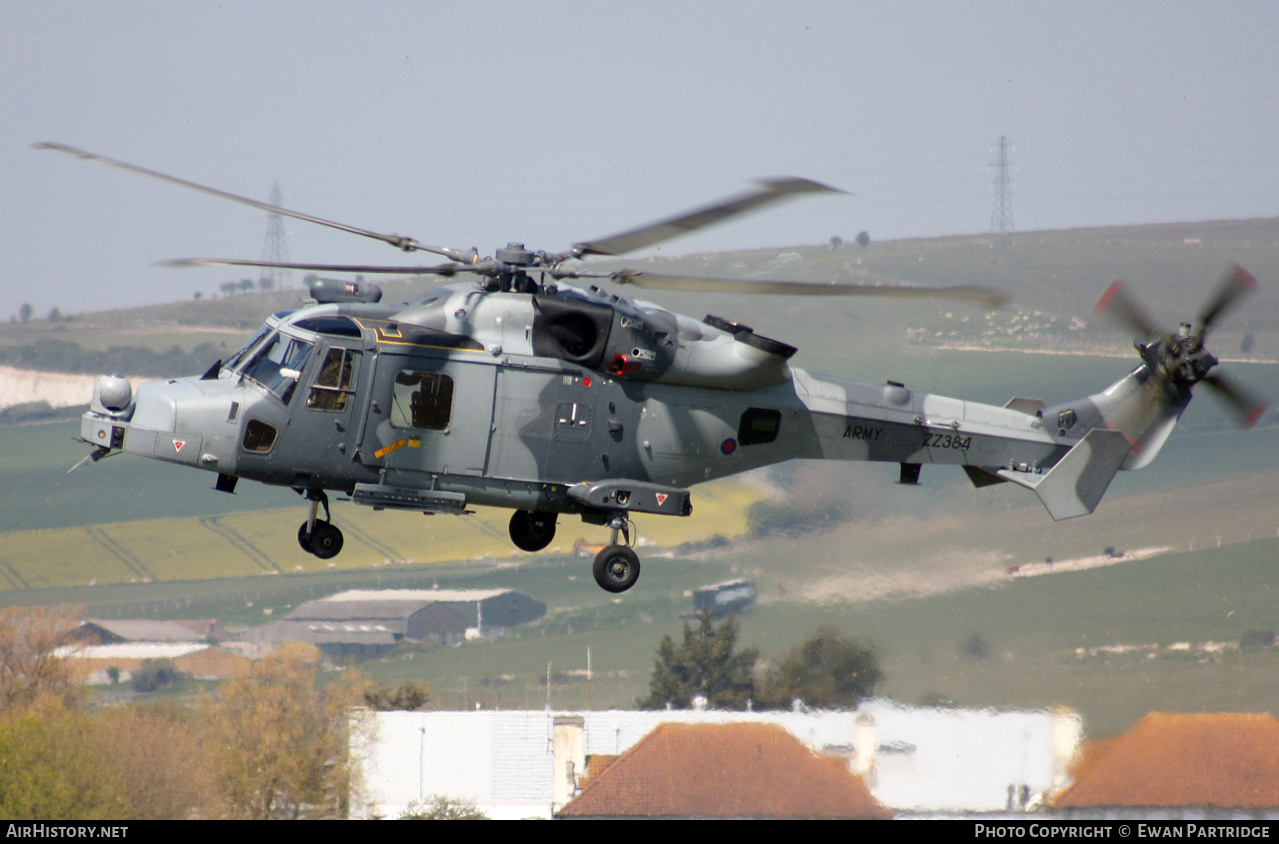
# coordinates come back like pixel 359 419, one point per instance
pixel 263 542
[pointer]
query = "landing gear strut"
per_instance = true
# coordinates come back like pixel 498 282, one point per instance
pixel 319 537
pixel 617 567
pixel 532 531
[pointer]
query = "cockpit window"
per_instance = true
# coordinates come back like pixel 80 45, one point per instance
pixel 333 384
pixel 278 364
pixel 238 357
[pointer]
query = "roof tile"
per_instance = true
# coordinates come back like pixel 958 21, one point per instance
pixel 1223 759
pixel 724 770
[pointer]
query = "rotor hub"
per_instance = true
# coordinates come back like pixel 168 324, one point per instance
pixel 516 254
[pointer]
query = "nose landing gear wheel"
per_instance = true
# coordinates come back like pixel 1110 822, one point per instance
pixel 616 568
pixel 532 531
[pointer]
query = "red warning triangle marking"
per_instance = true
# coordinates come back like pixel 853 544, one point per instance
pixel 177 444
pixel 661 498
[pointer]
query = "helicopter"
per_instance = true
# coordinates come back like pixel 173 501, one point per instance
pixel 512 387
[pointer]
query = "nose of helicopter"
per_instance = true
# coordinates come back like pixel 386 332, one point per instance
pixel 148 422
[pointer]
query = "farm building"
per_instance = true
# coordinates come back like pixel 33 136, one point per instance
pixel 96 631
pixel 486 612
pixel 193 659
pixel 367 623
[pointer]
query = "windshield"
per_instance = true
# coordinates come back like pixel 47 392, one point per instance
pixel 237 358
pixel 279 364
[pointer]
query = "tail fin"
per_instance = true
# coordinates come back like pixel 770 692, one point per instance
pixel 1075 485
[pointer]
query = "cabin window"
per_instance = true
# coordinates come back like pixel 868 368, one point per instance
pixel 334 383
pixel 258 436
pixel 422 400
pixel 279 365
pixel 759 425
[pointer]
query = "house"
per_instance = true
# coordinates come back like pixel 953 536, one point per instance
pixel 1213 765
pixel 724 770
pixel 938 759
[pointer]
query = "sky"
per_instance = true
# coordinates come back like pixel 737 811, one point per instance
pixel 477 123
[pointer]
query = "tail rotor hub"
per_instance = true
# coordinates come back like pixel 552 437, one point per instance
pixel 1180 360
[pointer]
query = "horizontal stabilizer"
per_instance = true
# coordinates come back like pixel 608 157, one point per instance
pixel 1076 484
pixel 982 477
pixel 1030 407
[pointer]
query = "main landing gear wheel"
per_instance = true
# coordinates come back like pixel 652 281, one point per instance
pixel 616 568
pixel 325 541
pixel 532 531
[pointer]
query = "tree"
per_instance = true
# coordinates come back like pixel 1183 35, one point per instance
pixel 703 665
pixel 50 768
pixel 156 757
pixel 30 667
pixel 442 808
pixel 825 671
pixel 863 239
pixel 25 312
pixel 411 696
pixel 153 675
pixel 278 747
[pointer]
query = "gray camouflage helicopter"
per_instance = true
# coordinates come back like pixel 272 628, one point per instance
pixel 510 388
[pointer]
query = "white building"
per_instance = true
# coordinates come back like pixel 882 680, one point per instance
pixel 523 764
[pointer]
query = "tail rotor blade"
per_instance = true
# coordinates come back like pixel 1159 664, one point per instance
pixel 1245 404
pixel 1235 283
pixel 1116 302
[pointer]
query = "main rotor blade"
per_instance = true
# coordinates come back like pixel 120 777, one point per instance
pixel 1245 404
pixel 1234 283
pixel 408 244
pixel 439 269
pixel 654 281
pixel 770 191
pixel 1120 305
